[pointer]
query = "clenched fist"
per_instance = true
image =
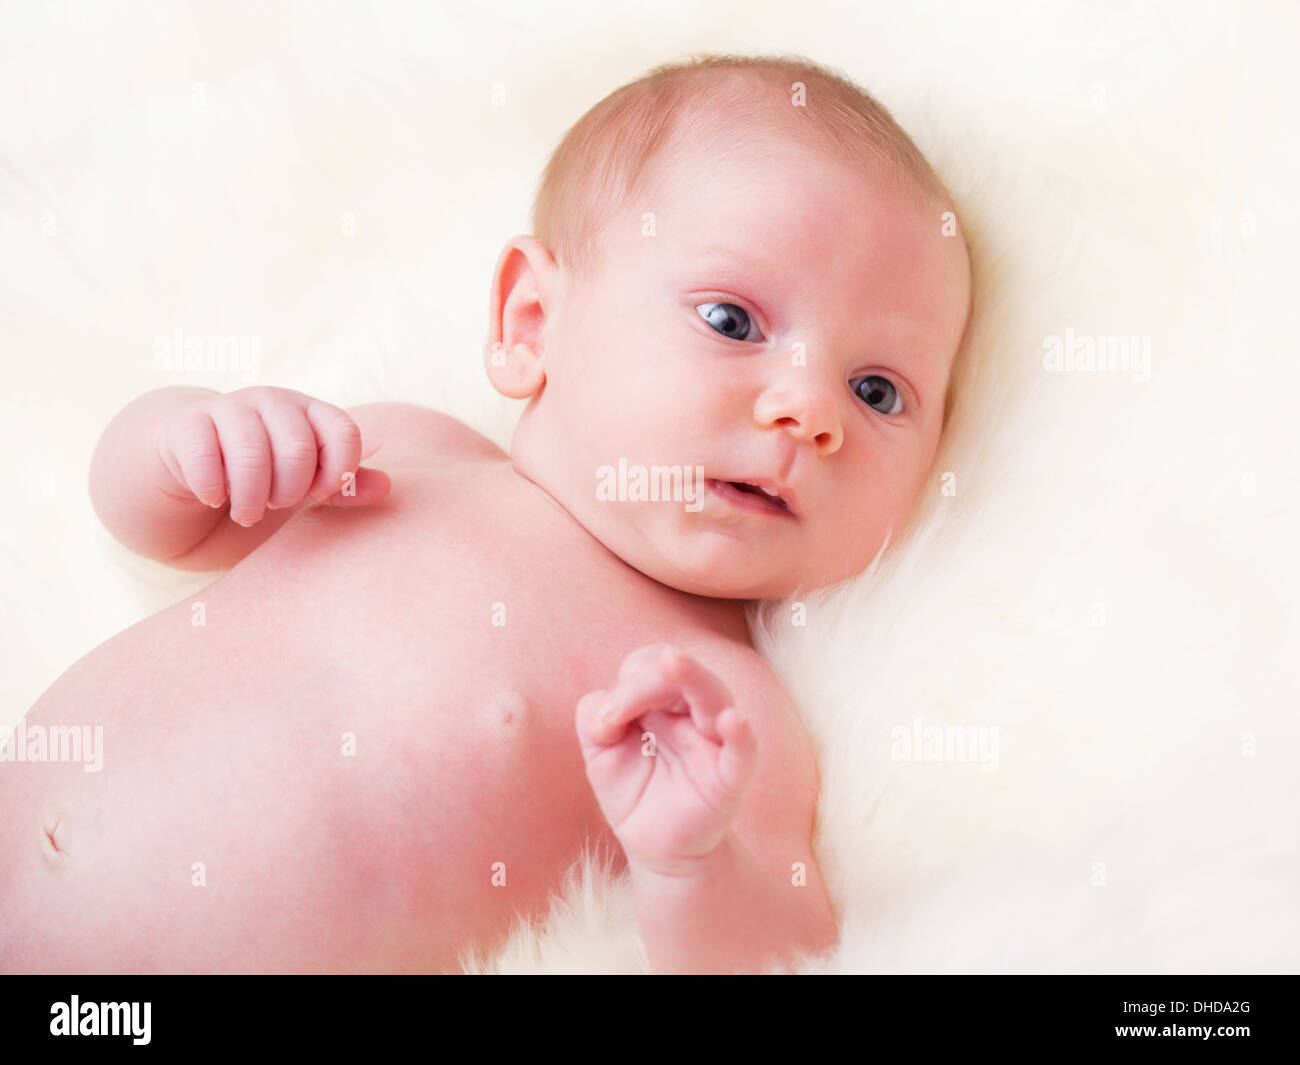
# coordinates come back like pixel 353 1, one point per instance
pixel 265 449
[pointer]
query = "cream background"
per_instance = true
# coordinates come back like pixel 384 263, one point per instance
pixel 1122 169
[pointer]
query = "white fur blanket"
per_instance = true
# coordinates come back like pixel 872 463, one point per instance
pixel 1058 722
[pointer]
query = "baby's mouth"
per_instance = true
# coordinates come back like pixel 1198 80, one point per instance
pixel 751 497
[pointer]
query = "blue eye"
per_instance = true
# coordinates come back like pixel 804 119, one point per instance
pixel 727 319
pixel 878 394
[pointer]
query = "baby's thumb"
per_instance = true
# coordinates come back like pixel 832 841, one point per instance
pixel 368 486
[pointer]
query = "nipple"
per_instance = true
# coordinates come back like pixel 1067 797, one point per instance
pixel 508 713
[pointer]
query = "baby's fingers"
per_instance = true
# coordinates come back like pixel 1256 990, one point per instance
pixel 603 716
pixel 592 729
pixel 705 693
pixel 191 451
pixel 641 693
pixel 294 453
pixel 246 451
pixel 339 447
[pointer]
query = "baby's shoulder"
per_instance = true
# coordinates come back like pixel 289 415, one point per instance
pixel 397 434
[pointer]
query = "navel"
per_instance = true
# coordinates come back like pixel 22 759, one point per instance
pixel 52 841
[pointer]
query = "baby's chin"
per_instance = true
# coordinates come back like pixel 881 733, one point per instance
pixel 714 562
pixel 719 580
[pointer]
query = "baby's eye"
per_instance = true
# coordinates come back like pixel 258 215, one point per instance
pixel 878 394
pixel 727 319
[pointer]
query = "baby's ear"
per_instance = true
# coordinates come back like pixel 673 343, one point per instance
pixel 521 292
pixel 516 373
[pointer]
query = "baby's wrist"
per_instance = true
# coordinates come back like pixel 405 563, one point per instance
pixel 680 872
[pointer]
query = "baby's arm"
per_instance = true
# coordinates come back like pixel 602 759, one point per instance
pixel 197 479
pixel 723 875
pixel 730 914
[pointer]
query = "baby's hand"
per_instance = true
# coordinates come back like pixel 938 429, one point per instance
pixel 669 757
pixel 267 448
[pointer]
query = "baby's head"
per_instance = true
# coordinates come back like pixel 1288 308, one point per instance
pixel 734 272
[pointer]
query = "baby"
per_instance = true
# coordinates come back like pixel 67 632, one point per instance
pixel 418 694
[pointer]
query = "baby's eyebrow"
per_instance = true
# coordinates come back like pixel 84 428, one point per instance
pixel 725 259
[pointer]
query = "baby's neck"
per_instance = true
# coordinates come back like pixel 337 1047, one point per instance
pixel 724 617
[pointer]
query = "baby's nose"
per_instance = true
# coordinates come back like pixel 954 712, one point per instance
pixel 807 413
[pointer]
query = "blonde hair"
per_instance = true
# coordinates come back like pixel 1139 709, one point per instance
pixel 606 156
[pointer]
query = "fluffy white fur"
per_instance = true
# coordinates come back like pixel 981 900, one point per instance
pixel 1112 586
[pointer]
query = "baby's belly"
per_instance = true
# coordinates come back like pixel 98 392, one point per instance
pixel 336 781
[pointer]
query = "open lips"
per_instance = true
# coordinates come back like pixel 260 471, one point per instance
pixel 752 496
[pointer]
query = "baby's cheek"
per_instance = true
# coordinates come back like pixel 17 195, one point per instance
pixel 858 533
